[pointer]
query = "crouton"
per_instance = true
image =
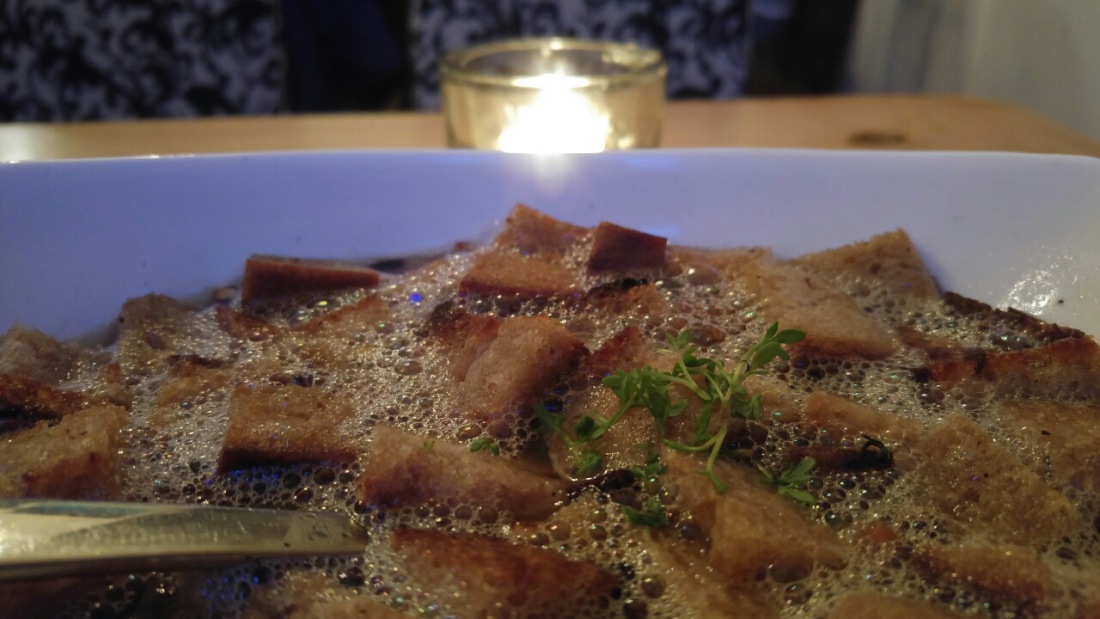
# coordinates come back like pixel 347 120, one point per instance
pixel 890 260
pixel 532 232
pixel 750 525
pixel 625 351
pixel 1010 318
pixel 616 249
pixel 627 443
pixel 1064 369
pixel 519 277
pixel 842 417
pixel 1065 434
pixel 151 329
pixel 285 424
pixel 633 298
pixel 972 483
pixel 834 324
pixel 24 401
pixel 29 353
pixel 486 577
pixel 1006 572
pixel 188 380
pixel 271 277
pixel 77 458
pixel 307 596
pixel 462 336
pixel 528 356
pixel 406 470
pixel 243 325
pixel 335 339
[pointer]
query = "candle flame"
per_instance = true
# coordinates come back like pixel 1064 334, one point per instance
pixel 559 119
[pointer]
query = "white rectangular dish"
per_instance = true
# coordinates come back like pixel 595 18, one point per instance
pixel 77 238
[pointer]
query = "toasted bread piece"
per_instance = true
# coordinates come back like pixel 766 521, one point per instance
pixel 873 605
pixel 406 470
pixel 1067 369
pixel 750 525
pixel 843 417
pixel 243 325
pixel 890 260
pixel 75 459
pixel 972 483
pixel 675 566
pixel 1006 572
pixel 309 596
pixel 616 249
pixel 462 336
pixel 709 266
pixel 188 381
pixel 270 277
pixel 528 356
pixel 285 424
pixel 533 232
pixel 1065 436
pixel 29 353
pixel 490 577
pixel 1011 318
pixel 516 276
pixel 153 328
pixel 624 351
pixel 619 299
pixel 25 400
pixel 625 444
pixel 334 340
pixel 834 324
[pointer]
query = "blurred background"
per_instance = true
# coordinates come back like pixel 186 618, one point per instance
pixel 71 60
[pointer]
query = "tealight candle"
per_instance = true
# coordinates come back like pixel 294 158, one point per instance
pixel 553 96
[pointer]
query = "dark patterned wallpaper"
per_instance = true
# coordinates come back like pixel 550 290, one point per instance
pixel 705 42
pixel 108 59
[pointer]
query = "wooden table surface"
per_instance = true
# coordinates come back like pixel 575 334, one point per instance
pixel 835 122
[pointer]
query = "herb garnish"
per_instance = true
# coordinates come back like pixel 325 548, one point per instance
pixel 789 482
pixel 719 389
pixel 485 443
pixel 653 514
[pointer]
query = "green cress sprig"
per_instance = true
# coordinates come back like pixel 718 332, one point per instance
pixel 789 481
pixel 721 391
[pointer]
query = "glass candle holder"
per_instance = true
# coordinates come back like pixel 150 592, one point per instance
pixel 553 95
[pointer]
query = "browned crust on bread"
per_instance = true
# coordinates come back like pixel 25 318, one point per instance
pixel 406 470
pixel 528 356
pixel 269 277
pixel 1006 572
pixel 533 232
pixel 889 259
pixel 522 277
pixel 1042 331
pixel 243 325
pixel 76 458
pixel 497 575
pixel 973 483
pixel 30 353
pixel 624 351
pixel 285 424
pixel 616 249
pixel 23 398
pixel 1063 369
pixel 462 336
